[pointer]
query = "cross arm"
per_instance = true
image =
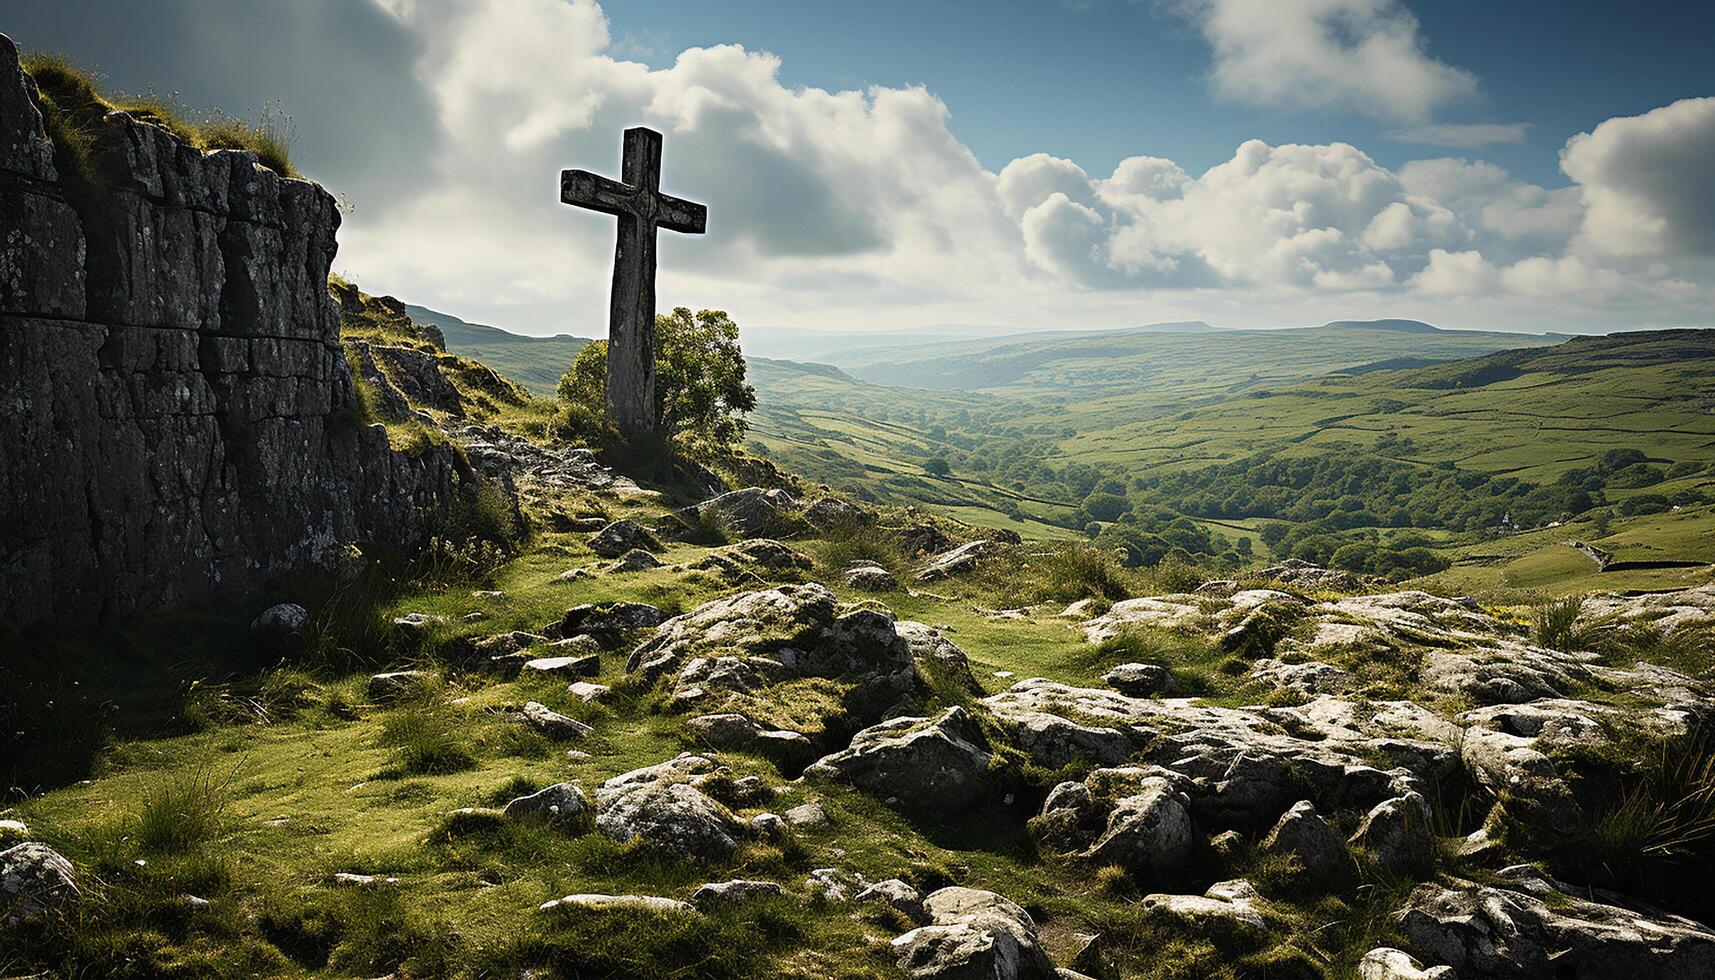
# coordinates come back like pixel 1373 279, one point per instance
pixel 681 215
pixel 598 193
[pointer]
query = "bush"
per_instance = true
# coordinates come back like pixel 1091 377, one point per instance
pixel 1555 625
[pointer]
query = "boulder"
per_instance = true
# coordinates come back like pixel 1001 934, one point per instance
pixel 1227 908
pixel 973 934
pixel 35 878
pixel 832 512
pixel 938 764
pixel 1140 680
pixel 589 693
pixel 562 804
pixel 932 651
pixel 1400 833
pixel 1135 817
pixel 1304 575
pixel 869 577
pixel 607 623
pixel 924 538
pixel 750 512
pixel 749 557
pixel 660 805
pixel 958 561
pixel 731 730
pixel 898 895
pixel 1052 741
pixel 281 619
pixel 622 536
pixel 588 665
pixel 1321 856
pixel 635 560
pixel 734 892
pixel 1525 925
pixel 811 816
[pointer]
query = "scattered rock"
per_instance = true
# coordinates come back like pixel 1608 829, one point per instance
pixel 588 665
pixel 590 693
pixel 1140 680
pixel 1528 926
pixel 832 512
pixel 635 560
pixel 1400 833
pixel 1228 907
pixel 767 824
pixel 415 624
pixel 938 764
pixel 1135 817
pixel 900 896
pixel 562 804
pixel 1321 855
pixel 960 560
pixel 281 619
pixel 1383 963
pixel 932 651
pixel 749 512
pixel 659 805
pixel 348 879
pixel 747 558
pixel 1309 679
pixel 1304 575
pixel 869 577
pixel 924 538
pixel 399 684
pixel 975 934
pixel 34 878
pixel 622 536
pixel 734 892
pixel 546 721
pixel 735 731
pixel 810 816
pixel 607 623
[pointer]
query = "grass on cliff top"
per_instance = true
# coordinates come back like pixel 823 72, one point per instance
pixel 74 105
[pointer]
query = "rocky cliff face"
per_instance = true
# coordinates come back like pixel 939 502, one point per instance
pixel 176 413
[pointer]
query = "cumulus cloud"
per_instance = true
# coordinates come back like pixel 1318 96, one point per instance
pixel 1362 55
pixel 847 208
pixel 1645 181
pixel 1465 136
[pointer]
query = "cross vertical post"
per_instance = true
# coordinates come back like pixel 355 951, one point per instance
pixel 641 208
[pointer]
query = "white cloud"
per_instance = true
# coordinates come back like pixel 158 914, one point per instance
pixel 860 208
pixel 1361 55
pixel 1646 181
pixel 1465 136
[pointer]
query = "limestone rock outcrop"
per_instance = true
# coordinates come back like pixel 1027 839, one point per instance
pixel 176 412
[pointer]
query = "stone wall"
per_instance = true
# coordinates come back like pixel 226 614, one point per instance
pixel 176 413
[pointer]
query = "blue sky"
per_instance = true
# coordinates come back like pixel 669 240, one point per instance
pixel 1521 165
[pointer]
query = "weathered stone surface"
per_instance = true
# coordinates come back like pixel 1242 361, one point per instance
pixel 417 375
pixel 752 556
pixel 398 684
pixel 831 512
pixel 1135 817
pixel 562 804
pixel 1322 857
pixel 975 934
pixel 1052 741
pixel 735 731
pixel 622 536
pixel 1304 575
pixel 587 665
pixel 1228 907
pixel 281 619
pixel 869 577
pixel 749 512
pixel 1400 833
pixel 1140 680
pixel 608 623
pixel 1527 926
pixel 734 892
pixel 935 764
pixel 1384 963
pixel 546 721
pixel 1309 679
pixel 661 805
pixel 960 560
pixel 179 416
pixel 900 896
pixel 588 692
pixel 809 815
pixel 931 650
pixel 34 878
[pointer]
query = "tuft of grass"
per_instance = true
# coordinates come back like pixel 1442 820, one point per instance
pixel 1554 624
pixel 428 739
pixel 183 811
pixel 74 106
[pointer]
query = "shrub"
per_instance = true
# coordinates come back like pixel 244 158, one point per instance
pixel 1081 571
pixel 1555 625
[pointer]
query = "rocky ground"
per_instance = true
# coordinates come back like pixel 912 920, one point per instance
pixel 779 734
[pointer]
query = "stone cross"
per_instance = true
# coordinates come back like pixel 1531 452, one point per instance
pixel 641 208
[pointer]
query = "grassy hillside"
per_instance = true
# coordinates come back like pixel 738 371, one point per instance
pixel 535 362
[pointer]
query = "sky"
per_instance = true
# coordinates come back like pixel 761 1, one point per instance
pixel 899 164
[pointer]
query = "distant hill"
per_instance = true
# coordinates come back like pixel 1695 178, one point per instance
pixel 535 362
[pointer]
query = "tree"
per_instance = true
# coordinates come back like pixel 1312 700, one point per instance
pixel 700 390
pixel 937 466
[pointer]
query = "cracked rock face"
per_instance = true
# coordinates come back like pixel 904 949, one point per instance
pixel 751 512
pixel 1136 818
pixel 939 765
pixel 178 415
pixel 1527 926
pixel 973 934
pixel 33 879
pixel 663 806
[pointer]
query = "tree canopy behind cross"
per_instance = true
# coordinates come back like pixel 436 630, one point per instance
pixel 700 389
